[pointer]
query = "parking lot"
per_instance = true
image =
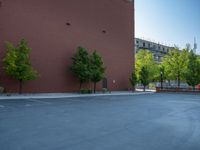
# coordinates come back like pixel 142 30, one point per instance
pixel 140 122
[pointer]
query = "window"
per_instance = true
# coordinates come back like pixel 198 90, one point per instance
pixel 143 44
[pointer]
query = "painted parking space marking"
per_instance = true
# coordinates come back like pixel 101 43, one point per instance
pixel 39 101
pixel 195 99
pixel 185 102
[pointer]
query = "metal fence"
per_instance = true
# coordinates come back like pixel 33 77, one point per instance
pixel 176 89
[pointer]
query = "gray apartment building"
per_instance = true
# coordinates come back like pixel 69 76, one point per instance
pixel 158 50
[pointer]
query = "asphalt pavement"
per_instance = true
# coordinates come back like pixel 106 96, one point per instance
pixel 126 122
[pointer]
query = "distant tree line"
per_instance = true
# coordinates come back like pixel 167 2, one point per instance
pixel 178 65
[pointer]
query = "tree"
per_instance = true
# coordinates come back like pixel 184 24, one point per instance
pixel 81 65
pixel 192 74
pixel 17 63
pixel 133 80
pixel 175 64
pixel 144 77
pixel 145 61
pixel 97 69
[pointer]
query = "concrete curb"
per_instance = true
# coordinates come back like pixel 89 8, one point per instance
pixel 56 95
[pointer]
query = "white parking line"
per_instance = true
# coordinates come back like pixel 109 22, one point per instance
pixel 185 102
pixel 39 101
pixel 195 99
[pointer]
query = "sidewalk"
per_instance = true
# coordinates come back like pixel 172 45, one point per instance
pixel 68 95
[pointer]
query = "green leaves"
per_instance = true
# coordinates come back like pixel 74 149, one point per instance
pixel 88 68
pixel 97 68
pixel 17 62
pixel 175 64
pixel 144 76
pixel 182 66
pixel 192 73
pixel 146 67
pixel 133 80
pixel 81 65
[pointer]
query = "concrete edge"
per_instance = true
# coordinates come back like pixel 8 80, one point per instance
pixel 70 96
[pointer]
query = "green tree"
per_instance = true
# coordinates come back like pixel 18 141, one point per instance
pixel 145 61
pixel 175 64
pixel 144 77
pixel 133 80
pixel 97 69
pixel 81 65
pixel 192 74
pixel 17 63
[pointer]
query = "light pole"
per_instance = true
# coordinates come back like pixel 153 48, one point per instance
pixel 161 79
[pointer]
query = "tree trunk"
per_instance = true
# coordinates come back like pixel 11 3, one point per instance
pixel 94 87
pixel 178 81
pixel 169 81
pixel 144 88
pixel 20 86
pixel 161 81
pixel 193 88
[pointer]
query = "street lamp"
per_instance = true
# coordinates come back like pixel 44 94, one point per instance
pixel 161 79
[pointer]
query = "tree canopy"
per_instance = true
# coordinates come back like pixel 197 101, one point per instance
pixel 81 65
pixel 133 80
pixel 88 67
pixel 17 62
pixel 97 68
pixel 192 74
pixel 144 77
pixel 175 64
pixel 145 63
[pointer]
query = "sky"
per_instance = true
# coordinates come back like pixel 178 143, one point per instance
pixel 168 21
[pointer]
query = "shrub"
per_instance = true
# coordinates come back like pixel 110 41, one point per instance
pixel 152 86
pixel 1 89
pixel 105 90
pixel 85 91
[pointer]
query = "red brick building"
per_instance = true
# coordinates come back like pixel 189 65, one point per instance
pixel 55 28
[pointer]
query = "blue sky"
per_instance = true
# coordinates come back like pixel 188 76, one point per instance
pixel 168 21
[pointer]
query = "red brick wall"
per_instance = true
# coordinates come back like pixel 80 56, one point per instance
pixel 43 24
